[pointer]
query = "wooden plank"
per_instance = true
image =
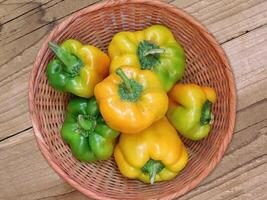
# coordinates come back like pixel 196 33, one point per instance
pixel 251 183
pixel 26 173
pixel 246 54
pixel 12 9
pixel 14 96
pixel 246 159
pixel 227 19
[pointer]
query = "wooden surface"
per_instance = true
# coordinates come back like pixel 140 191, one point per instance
pixel 241 28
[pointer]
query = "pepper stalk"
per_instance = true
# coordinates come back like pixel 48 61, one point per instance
pixel 152 168
pixel 149 54
pixel 72 63
pixel 206 115
pixel 129 89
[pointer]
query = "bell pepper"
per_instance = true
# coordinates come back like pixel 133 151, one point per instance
pixel 86 132
pixel 155 154
pixel 77 68
pixel 131 99
pixel 190 110
pixel 154 48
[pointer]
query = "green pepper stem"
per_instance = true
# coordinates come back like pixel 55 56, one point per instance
pixel 152 168
pixel 148 54
pixel 72 63
pixel 206 114
pixel 86 124
pixel 154 51
pixel 125 79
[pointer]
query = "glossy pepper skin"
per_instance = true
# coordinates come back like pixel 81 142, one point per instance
pixel 77 68
pixel 84 129
pixel 131 99
pixel 155 154
pixel 190 110
pixel 153 48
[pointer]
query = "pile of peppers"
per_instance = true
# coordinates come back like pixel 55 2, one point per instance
pixel 130 103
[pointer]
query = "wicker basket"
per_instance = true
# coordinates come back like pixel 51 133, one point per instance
pixel 206 65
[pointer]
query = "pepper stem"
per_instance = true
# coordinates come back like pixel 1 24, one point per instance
pixel 148 54
pixel 72 62
pixel 129 89
pixel 86 124
pixel 206 115
pixel 154 51
pixel 125 79
pixel 152 168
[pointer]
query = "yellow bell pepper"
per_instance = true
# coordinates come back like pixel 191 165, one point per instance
pixel 155 154
pixel 153 48
pixel 131 99
pixel 190 110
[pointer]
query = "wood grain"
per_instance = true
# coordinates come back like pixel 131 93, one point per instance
pixel 227 19
pixel 240 26
pixel 246 55
pixel 12 9
pixel 26 173
pixel 29 39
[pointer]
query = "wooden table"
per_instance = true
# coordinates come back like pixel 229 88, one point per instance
pixel 240 27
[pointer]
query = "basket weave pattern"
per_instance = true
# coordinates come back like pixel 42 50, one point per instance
pixel 206 65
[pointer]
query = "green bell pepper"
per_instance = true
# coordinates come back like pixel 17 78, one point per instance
pixel 86 132
pixel 77 68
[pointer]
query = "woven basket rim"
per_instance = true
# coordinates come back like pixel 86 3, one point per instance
pixel 110 3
